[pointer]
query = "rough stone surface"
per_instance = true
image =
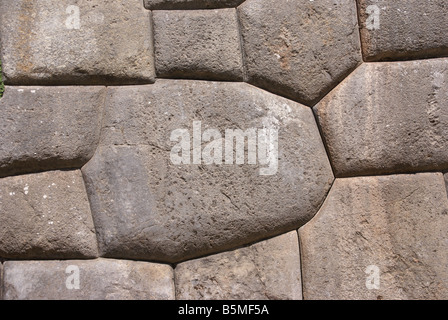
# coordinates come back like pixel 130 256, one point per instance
pixel 266 270
pixel 100 279
pixel 202 44
pixel 387 118
pixel 46 216
pixel 145 207
pixel 76 42
pixel 403 29
pixel 190 4
pixel 48 128
pixel 397 223
pixel 300 49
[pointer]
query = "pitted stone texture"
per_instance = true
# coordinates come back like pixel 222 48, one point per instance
pixel 46 216
pixel 100 279
pixel 146 208
pixel 49 128
pixel 388 117
pixel 202 44
pixel 266 270
pixel 190 4
pixel 403 29
pixel 54 42
pixel 300 49
pixel 396 223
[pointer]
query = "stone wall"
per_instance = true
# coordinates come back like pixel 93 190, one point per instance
pixel 124 173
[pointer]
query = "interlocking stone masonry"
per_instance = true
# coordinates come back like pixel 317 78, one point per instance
pixel 49 128
pixel 299 49
pixel 389 117
pixel 101 279
pixel 201 44
pixel 190 4
pixel 266 270
pixel 92 165
pixel 46 216
pixel 145 207
pixel 55 42
pixel 390 227
pixel 403 29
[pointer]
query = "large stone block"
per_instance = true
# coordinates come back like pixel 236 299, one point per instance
pixel 389 117
pixel 100 279
pixel 147 205
pixel 46 216
pixel 57 42
pixel 48 128
pixel 202 44
pixel 190 4
pixel 266 270
pixel 403 29
pixel 300 49
pixel 378 238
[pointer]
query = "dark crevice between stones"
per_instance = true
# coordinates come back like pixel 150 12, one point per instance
pixel 318 210
pixel 152 35
pixel 2 282
pixel 398 169
pixel 174 282
pixel 98 249
pixel 202 77
pixel 102 128
pixel 41 255
pixel 300 239
pixel 32 166
pixel 324 142
pixel 89 199
pixel 2 86
pixel 301 265
pixel 358 10
pixel 397 56
pixel 118 255
pixel 78 79
pixel 232 249
pixel 192 5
